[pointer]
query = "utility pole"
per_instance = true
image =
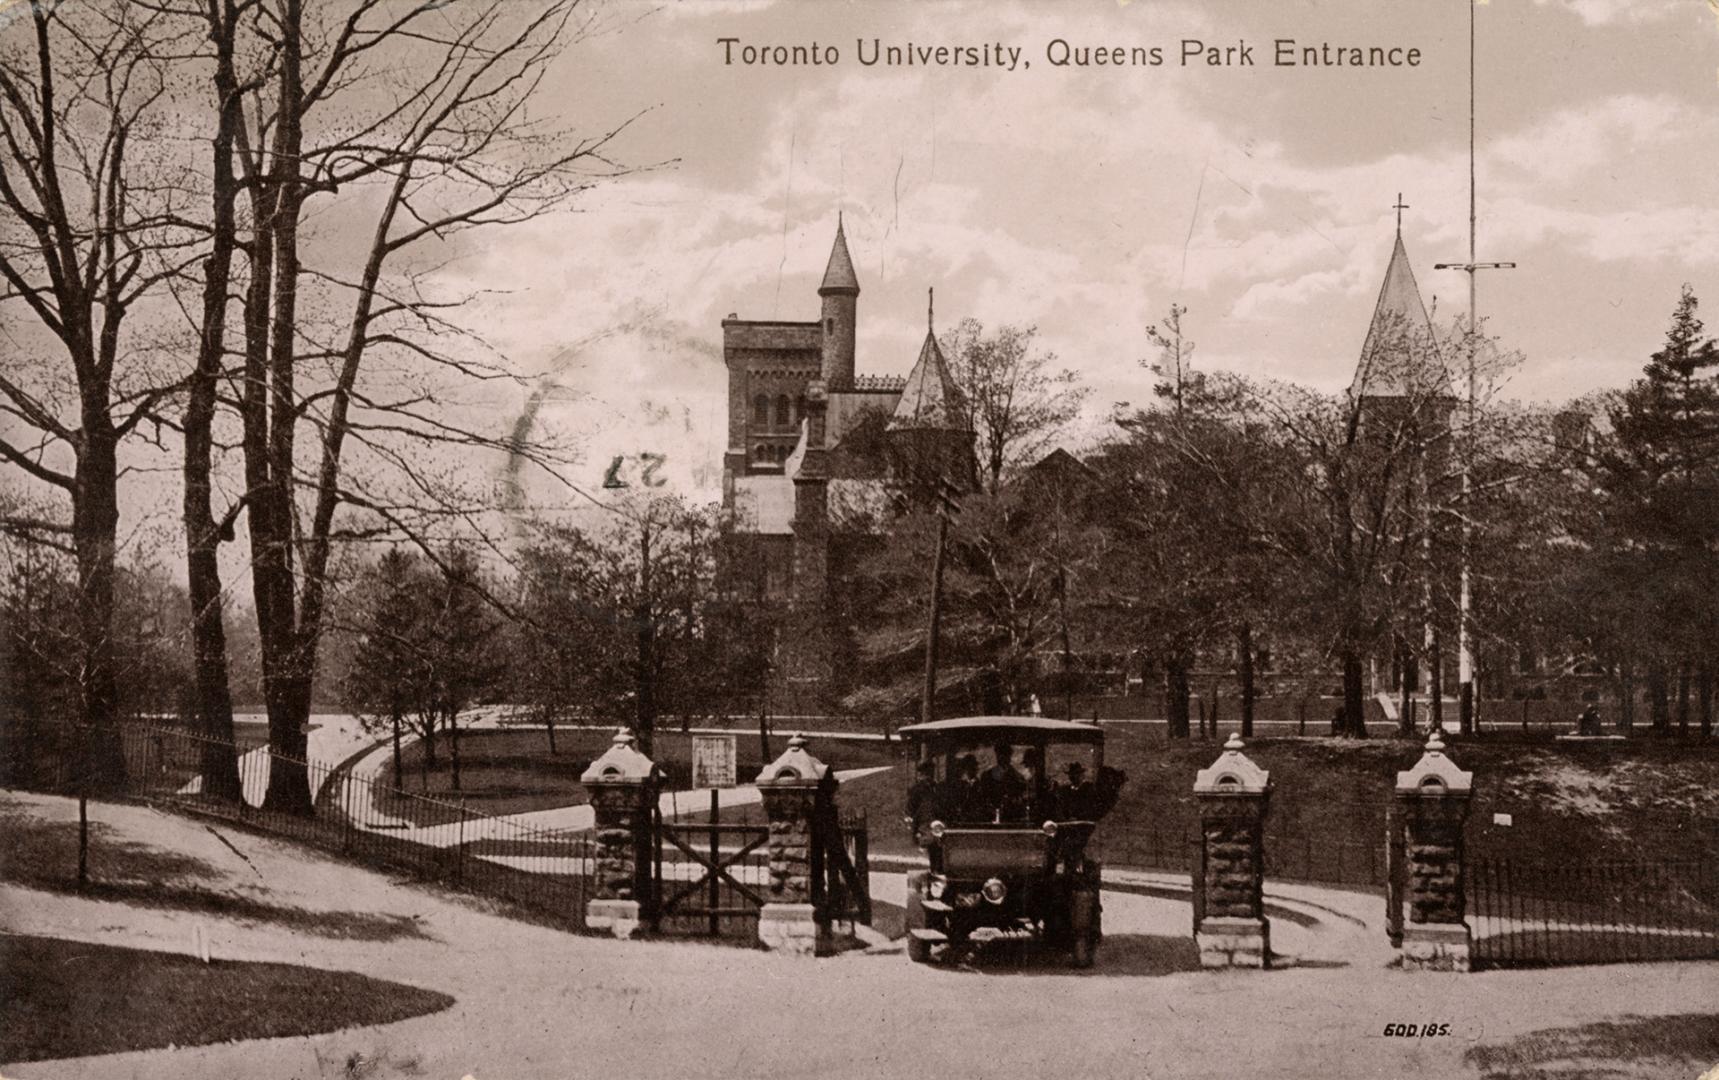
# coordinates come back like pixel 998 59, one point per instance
pixel 947 508
pixel 644 616
pixel 1465 591
pixel 928 703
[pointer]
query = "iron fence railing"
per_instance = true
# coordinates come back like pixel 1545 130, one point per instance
pixel 543 870
pixel 1526 913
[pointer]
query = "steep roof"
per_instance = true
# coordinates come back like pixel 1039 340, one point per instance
pixel 839 274
pixel 1400 356
pixel 931 399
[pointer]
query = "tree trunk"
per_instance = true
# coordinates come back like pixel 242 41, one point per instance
pixel 203 536
pixel 95 523
pixel 1244 653
pixel 271 412
pixel 1683 698
pixel 399 770
pixel 549 727
pixel 1406 690
pixel 427 759
pixel 1354 722
pixel 1704 694
pixel 1176 696
pixel 1435 682
pixel 1658 695
pixel 454 748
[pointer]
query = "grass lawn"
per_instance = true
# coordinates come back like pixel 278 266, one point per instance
pixel 1646 799
pixel 69 999
pixel 1651 799
pixel 1632 1048
pixel 43 854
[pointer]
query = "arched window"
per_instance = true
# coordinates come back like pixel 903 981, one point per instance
pixel 761 411
pixel 800 408
pixel 761 452
pixel 829 326
pixel 782 418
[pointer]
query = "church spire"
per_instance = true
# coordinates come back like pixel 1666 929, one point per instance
pixel 1400 356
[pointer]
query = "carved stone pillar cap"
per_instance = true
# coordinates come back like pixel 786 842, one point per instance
pixel 621 763
pixel 1234 773
pixel 795 768
pixel 1434 774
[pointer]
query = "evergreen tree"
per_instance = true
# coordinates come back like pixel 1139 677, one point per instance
pixel 1658 522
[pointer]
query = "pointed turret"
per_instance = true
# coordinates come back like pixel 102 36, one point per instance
pixel 1400 357
pixel 931 400
pixel 930 434
pixel 839 276
pixel 840 291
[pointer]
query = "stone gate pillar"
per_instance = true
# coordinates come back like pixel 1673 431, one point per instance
pixel 1234 795
pixel 623 784
pixel 1432 804
pixel 792 787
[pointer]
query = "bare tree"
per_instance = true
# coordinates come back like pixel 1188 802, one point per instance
pixel 1019 402
pixel 422 111
pixel 90 229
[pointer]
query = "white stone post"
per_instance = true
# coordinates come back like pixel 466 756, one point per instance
pixel 1234 795
pixel 1432 803
pixel 792 787
pixel 623 784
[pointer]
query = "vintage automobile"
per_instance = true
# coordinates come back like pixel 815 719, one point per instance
pixel 1007 848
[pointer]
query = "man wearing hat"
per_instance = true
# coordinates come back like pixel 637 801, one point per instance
pixel 1075 797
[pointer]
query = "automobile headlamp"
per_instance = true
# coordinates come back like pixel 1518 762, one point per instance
pixel 936 829
pixel 994 891
pixel 1049 828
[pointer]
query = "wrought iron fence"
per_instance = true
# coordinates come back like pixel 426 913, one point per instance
pixel 543 871
pixel 1529 914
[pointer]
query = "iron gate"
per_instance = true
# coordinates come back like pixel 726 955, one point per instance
pixel 711 877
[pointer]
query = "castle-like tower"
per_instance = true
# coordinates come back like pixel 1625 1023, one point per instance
pixel 789 482
pixel 840 292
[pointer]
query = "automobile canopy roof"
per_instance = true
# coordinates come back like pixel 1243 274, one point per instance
pixel 1007 728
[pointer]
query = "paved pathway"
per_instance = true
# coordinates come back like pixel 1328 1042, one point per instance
pixel 560 819
pixel 534 1002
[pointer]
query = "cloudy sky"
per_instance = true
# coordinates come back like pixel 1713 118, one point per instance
pixel 1086 201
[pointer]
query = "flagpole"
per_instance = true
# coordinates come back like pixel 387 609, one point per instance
pixel 1465 588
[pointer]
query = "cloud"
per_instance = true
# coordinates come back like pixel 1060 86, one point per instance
pixel 1611 12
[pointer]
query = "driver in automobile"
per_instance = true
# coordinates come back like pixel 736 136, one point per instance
pixel 925 797
pixel 963 801
pixel 1002 791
